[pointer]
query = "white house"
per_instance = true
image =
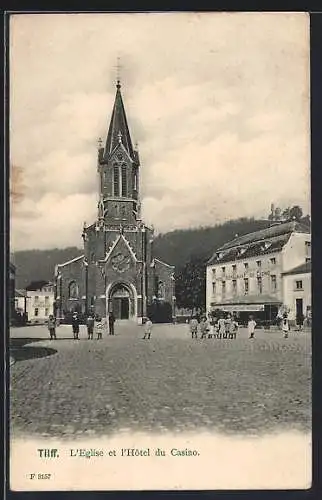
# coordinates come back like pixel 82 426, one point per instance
pixel 40 301
pixel 21 301
pixel 297 291
pixel 246 274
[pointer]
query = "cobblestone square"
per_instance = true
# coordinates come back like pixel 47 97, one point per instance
pixel 68 388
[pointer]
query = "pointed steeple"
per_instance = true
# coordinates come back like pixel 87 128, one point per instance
pixel 118 130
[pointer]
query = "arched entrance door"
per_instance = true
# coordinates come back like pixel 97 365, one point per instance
pixel 121 301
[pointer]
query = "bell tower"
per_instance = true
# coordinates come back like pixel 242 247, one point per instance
pixel 118 270
pixel 118 169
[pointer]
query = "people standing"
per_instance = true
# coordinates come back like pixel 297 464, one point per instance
pixel 212 326
pixel 285 326
pixel 233 328
pixel 52 327
pixel 204 327
pixel 221 327
pixel 75 326
pixel 90 326
pixel 227 326
pixel 147 329
pixel 309 317
pixel 99 324
pixel 251 327
pixel 279 318
pixel 111 321
pixel 300 321
pixel 194 327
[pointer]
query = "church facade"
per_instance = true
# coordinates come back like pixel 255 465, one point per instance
pixel 117 270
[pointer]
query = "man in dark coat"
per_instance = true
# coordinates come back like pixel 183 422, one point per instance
pixel 75 326
pixel 111 321
pixel 300 320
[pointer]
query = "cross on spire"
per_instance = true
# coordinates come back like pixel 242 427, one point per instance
pixel 118 124
pixel 118 72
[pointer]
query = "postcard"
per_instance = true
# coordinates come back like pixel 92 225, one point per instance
pixel 160 253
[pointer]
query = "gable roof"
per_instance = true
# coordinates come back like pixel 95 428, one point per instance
pixel 257 243
pixel 270 232
pixel 115 243
pixel 38 285
pixel 163 263
pixel 70 261
pixel 304 268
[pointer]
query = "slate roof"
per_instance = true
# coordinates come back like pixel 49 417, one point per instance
pixel 264 241
pixel 71 261
pixel 118 124
pixel 270 232
pixel 38 285
pixel 304 268
pixel 163 263
pixel 20 293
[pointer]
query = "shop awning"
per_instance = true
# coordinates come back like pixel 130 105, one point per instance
pixel 246 303
pixel 240 307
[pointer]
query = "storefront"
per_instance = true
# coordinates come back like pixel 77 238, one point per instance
pixel 264 311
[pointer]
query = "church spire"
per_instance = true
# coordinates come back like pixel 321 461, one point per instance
pixel 118 130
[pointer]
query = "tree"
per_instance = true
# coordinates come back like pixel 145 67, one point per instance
pixel 296 212
pixel 306 221
pixel 286 213
pixel 191 284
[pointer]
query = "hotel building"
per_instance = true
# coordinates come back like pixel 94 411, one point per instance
pixel 245 275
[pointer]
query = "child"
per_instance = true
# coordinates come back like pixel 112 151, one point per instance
pixel 204 327
pixel 233 328
pixel 75 326
pixel 193 327
pixel 221 327
pixel 99 327
pixel 227 327
pixel 90 326
pixel 285 326
pixel 251 327
pixel 148 329
pixel 52 327
pixel 212 326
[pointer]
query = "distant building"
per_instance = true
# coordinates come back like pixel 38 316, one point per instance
pixel 118 270
pixel 297 291
pixel 246 274
pixel 12 286
pixel 21 301
pixel 39 301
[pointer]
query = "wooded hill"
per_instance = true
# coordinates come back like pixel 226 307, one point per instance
pixel 176 248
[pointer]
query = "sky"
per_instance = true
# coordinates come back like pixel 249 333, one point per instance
pixel 217 102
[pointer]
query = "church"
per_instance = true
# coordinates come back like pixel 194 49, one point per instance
pixel 118 271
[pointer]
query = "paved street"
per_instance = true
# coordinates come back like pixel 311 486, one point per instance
pixel 170 383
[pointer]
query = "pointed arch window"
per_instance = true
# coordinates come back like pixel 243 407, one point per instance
pixel 116 180
pixel 124 180
pixel 73 291
pixel 161 290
